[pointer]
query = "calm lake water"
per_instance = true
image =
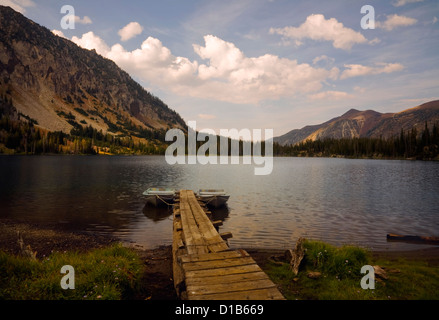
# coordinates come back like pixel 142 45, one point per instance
pixel 336 200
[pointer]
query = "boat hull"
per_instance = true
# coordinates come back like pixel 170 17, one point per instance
pixel 214 201
pixel 159 200
pixel 160 196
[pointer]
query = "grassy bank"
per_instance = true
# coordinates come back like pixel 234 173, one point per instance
pixel 108 273
pixel 339 275
pixel 111 271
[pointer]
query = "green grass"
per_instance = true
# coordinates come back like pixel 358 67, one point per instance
pixel 340 276
pixel 110 273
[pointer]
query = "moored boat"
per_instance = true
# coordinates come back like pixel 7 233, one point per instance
pixel 213 197
pixel 160 196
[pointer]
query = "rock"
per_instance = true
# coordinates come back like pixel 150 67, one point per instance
pixel 314 274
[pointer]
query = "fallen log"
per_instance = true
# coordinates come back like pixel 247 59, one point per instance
pixel 412 239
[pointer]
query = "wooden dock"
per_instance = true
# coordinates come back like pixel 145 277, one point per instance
pixel 204 266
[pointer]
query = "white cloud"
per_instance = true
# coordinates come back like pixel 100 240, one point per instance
pixel 232 76
pixel 18 5
pixel 356 70
pixel 323 59
pixel 85 20
pixel 154 63
pixel 58 33
pixel 400 3
pixel 131 30
pixel 316 27
pixel 330 95
pixel 394 21
pixel 225 73
pixel 90 41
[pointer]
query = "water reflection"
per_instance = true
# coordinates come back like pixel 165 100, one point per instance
pixel 157 213
pixel 220 213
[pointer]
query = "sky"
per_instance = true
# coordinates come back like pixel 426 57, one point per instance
pixel 261 64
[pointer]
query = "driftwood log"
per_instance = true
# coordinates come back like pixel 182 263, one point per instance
pixel 295 256
pixel 412 239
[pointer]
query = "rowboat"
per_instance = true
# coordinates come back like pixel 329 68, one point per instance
pixel 159 196
pixel 213 197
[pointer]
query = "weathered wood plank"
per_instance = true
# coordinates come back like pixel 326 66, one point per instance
pixel 177 269
pixel 215 264
pixel 259 294
pixel 194 240
pixel 213 256
pixel 229 278
pixel 229 287
pixel 217 223
pixel 222 271
pixel 226 235
pixel 208 232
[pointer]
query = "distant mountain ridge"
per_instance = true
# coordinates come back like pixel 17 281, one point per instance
pixel 61 86
pixel 369 123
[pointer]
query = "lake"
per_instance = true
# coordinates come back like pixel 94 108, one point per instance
pixel 341 201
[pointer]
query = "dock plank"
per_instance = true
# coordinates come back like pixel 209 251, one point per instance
pixel 212 238
pixel 214 264
pixel 193 290
pixel 194 240
pixel 229 278
pixel 222 271
pixel 258 294
pixel 213 256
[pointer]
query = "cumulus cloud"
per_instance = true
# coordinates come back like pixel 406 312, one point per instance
pixel 316 27
pixel 91 41
pixel 154 62
pixel 58 33
pixel 394 21
pixel 323 59
pixel 18 5
pixel 225 73
pixel 85 20
pixel 131 30
pixel 400 3
pixel 356 70
pixel 234 76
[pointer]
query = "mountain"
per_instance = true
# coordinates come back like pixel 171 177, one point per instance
pixel 60 86
pixel 369 123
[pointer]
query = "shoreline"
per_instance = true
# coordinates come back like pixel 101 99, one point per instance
pixel 157 281
pixel 274 156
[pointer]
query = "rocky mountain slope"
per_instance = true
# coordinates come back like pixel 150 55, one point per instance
pixel 367 123
pixel 61 86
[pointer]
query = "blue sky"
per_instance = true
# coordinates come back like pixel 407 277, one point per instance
pixel 277 64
